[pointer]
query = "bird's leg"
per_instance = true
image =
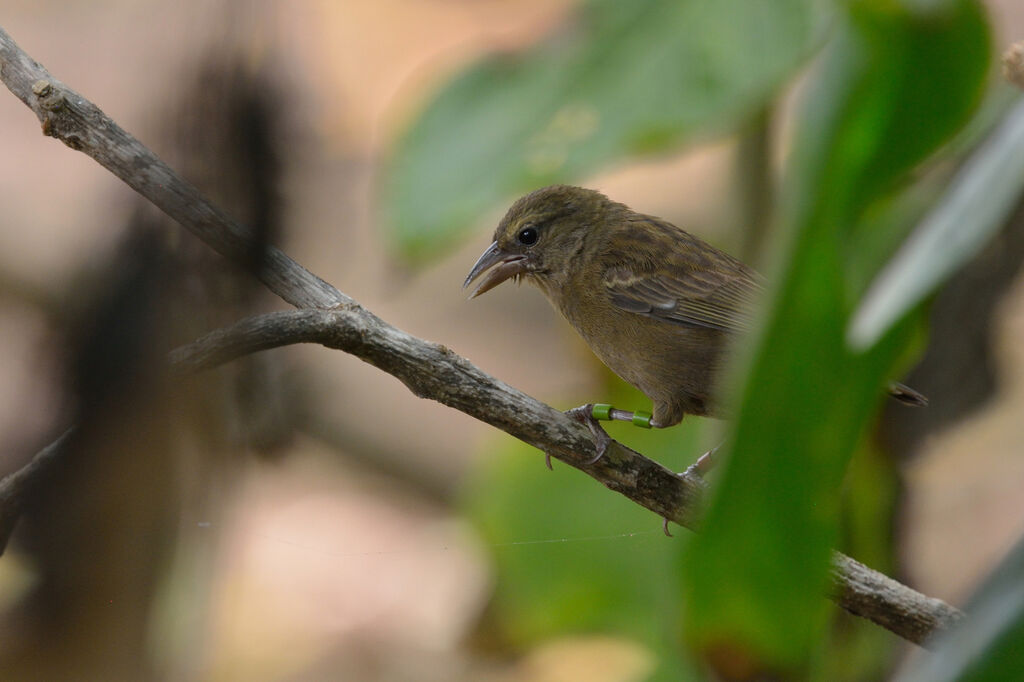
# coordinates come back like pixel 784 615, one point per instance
pixel 609 413
pixel 589 414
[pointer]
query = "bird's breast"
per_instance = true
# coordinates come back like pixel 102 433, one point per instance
pixel 673 364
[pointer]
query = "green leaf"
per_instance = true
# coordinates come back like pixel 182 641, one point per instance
pixel 890 222
pixel 989 645
pixel 622 79
pixel 888 93
pixel 975 206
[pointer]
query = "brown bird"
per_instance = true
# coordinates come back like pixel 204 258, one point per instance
pixel 656 304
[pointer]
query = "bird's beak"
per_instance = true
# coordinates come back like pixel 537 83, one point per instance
pixel 508 265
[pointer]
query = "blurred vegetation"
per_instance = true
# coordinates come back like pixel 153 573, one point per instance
pixel 891 83
pixel 874 108
pixel 620 79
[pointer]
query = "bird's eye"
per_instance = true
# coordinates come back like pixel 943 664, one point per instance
pixel 527 236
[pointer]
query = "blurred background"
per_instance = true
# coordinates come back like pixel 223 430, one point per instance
pixel 300 515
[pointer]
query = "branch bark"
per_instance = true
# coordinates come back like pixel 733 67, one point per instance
pixel 329 317
pixel 432 371
pixel 869 594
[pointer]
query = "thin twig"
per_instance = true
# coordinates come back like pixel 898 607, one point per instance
pixel 16 486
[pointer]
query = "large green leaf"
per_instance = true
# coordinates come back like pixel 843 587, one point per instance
pixel 890 222
pixel 623 78
pixel 753 579
pixel 976 205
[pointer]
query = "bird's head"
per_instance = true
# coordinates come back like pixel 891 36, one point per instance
pixel 542 233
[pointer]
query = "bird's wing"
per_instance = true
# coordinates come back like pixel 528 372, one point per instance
pixel 688 287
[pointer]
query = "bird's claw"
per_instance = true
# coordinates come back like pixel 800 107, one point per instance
pixel 589 414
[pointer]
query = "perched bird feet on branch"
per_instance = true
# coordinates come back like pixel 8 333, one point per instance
pixel 589 414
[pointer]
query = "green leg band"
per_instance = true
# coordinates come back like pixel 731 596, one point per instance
pixel 642 419
pixel 602 411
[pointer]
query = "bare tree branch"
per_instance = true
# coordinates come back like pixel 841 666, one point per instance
pixel 81 125
pixel 869 594
pixel 15 486
pixel 329 317
pixel 432 371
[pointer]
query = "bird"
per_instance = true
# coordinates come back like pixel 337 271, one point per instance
pixel 656 304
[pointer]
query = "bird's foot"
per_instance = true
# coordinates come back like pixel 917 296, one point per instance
pixel 589 414
pixel 704 464
pixel 664 527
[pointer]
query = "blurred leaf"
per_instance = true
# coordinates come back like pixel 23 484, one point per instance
pixel 754 579
pixel 976 205
pixel 623 78
pixel 989 645
pixel 887 223
pixel 856 648
pixel 907 61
